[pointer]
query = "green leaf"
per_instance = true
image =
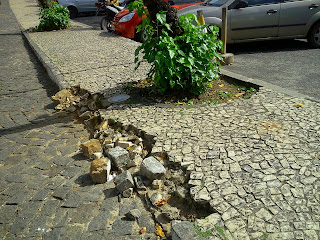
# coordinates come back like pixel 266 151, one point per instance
pixel 171 53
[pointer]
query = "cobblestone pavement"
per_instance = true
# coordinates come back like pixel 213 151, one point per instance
pixel 45 189
pixel 255 161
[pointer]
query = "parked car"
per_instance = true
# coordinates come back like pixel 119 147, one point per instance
pixel 79 6
pixel 253 20
pixel 125 22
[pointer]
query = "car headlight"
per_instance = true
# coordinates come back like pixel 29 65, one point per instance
pixel 127 17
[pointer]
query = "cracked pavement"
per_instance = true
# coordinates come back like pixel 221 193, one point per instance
pixel 255 161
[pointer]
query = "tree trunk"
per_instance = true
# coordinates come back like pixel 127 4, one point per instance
pixel 155 6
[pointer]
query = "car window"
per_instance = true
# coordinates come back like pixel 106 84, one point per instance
pixel 216 3
pixel 261 2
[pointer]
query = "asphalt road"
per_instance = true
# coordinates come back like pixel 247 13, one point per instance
pixel 290 64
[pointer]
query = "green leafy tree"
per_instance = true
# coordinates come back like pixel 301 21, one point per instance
pixel 187 61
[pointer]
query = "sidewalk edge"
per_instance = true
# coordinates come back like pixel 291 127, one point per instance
pixel 262 83
pixel 52 70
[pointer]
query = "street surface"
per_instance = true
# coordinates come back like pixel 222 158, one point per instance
pixel 290 64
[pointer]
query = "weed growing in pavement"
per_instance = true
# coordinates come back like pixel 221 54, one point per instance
pixel 54 17
pixel 250 92
pixel 202 234
pixel 225 94
pixel 183 62
pixel 220 230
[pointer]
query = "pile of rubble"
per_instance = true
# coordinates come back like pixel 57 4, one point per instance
pixel 122 154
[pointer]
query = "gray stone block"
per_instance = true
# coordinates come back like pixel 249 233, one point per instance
pixel 119 156
pixel 99 222
pixel 183 230
pixel 124 181
pixel 122 228
pixel 152 168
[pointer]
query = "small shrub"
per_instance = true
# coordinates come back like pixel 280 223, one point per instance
pixel 186 62
pixel 53 18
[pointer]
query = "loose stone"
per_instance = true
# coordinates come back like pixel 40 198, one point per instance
pixel 133 214
pixel 124 181
pixel 152 168
pixel 127 193
pixel 100 170
pixel 119 156
pixel 90 147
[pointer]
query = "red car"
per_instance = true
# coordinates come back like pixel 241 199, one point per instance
pixel 125 22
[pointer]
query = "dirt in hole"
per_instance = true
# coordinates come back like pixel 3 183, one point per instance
pixel 219 91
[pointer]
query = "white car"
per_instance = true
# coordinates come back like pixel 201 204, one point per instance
pixel 79 6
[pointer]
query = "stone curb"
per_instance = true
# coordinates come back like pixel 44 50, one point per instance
pixel 52 70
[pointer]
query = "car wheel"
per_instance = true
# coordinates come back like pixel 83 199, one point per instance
pixel 314 36
pixel 73 12
pixel 105 24
pixel 140 36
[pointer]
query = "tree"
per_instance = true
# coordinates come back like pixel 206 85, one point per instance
pixel 156 6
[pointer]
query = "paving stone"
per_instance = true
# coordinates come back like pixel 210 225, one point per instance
pixel 95 195
pixel 152 168
pixel 124 181
pixel 61 192
pixel 73 200
pixel 119 156
pixel 83 214
pixel 8 213
pixel 71 172
pixel 61 218
pixel 38 226
pixel 53 234
pixel 122 228
pixel 71 232
pixel 41 195
pixel 99 222
pixel 183 230
pixel 62 160
pixel 19 198
pixel 126 206
pixel 49 207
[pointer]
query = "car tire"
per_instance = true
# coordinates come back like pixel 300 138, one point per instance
pixel 73 12
pixel 140 36
pixel 105 24
pixel 314 36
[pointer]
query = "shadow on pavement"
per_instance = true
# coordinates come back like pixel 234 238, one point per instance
pixel 268 46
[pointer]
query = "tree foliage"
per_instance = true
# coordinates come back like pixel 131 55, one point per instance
pixel 187 61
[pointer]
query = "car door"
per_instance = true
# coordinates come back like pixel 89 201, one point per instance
pixel 85 5
pixel 259 20
pixel 295 14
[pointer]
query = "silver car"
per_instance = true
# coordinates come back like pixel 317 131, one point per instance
pixel 253 20
pixel 79 6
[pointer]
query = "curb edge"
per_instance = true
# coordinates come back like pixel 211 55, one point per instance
pixel 261 83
